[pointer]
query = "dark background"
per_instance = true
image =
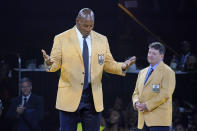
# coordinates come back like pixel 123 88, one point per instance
pixel 27 26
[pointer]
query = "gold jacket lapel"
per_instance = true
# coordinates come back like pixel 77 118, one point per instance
pixel 154 72
pixel 142 79
pixel 93 44
pixel 76 42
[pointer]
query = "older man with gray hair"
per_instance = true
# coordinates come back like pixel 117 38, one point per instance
pixel 82 55
pixel 26 110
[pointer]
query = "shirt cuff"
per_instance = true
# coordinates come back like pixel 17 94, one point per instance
pixel 47 66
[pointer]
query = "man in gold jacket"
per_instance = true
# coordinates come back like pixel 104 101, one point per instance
pixel 152 96
pixel 82 55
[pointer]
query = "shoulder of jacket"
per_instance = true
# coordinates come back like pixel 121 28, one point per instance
pixel 37 96
pixel 65 33
pixel 16 98
pixel 98 34
pixel 167 68
pixel 144 69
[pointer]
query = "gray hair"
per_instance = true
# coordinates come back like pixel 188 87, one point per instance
pixel 86 13
pixel 25 79
pixel 158 46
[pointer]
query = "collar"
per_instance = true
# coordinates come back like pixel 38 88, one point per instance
pixel 187 54
pixel 26 96
pixel 155 66
pixel 79 33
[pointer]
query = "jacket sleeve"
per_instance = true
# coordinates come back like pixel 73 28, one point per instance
pixel 110 65
pixel 135 96
pixel 56 55
pixel 11 113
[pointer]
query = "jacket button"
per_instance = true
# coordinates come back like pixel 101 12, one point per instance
pixel 81 83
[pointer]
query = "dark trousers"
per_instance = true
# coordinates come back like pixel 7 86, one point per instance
pixel 155 128
pixel 85 114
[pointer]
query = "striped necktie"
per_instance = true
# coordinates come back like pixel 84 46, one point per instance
pixel 25 101
pixel 151 71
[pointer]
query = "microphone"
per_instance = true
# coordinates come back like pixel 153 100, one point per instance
pixel 19 72
pixel 1 105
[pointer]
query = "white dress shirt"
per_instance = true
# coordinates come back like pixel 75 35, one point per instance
pixel 88 40
pixel 27 98
pixel 149 69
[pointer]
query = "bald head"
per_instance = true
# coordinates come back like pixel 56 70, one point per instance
pixel 86 13
pixel 85 21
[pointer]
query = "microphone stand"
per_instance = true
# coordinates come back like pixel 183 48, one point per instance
pixel 19 74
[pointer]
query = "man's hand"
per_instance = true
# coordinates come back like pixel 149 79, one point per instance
pixel 20 109
pixel 141 106
pixel 128 63
pixel 138 106
pixel 47 58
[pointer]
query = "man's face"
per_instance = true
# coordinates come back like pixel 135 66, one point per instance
pixel 26 88
pixel 154 56
pixel 179 128
pixel 114 117
pixel 85 25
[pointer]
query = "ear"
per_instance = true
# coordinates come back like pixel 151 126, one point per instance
pixel 77 20
pixel 162 56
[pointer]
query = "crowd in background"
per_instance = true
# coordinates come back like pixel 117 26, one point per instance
pixel 119 117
